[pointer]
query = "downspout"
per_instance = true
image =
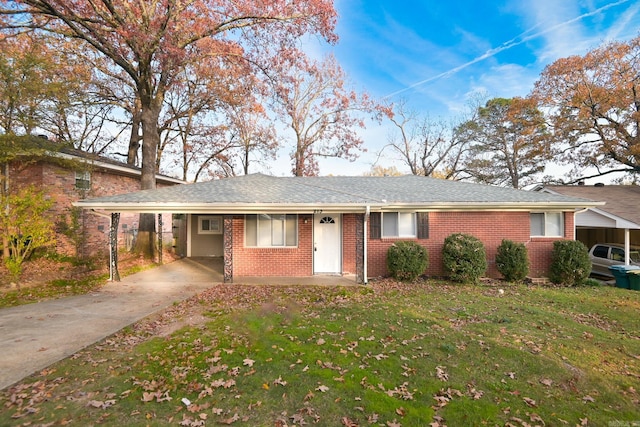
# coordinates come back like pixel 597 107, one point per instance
pixel 110 251
pixel 367 211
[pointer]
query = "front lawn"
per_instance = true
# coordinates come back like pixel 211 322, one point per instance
pixel 388 354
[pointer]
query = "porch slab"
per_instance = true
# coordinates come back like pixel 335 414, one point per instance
pixel 215 266
pixel 318 280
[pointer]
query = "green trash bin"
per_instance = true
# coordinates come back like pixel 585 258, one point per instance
pixel 620 272
pixel 634 279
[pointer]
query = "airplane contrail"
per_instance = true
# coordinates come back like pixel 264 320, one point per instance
pixel 518 40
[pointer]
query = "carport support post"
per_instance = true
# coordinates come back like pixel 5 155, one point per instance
pixel 159 238
pixel 626 247
pixel 113 247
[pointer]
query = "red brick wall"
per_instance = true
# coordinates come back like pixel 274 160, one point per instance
pixel 490 227
pixel 274 261
pixel 60 186
pixel 349 223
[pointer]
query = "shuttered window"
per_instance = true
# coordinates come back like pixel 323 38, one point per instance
pixel 423 225
pixel 375 225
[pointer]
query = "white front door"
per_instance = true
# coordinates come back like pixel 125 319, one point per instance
pixel 327 248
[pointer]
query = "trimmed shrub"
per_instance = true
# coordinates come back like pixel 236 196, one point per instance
pixel 464 258
pixel 406 261
pixel 570 263
pixel 512 260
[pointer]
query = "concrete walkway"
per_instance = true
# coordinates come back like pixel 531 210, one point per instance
pixel 34 336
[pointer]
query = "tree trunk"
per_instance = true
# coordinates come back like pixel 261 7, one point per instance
pixel 4 187
pixel 134 140
pixel 146 238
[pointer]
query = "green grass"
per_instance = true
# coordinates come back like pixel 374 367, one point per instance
pixel 390 354
pixel 53 289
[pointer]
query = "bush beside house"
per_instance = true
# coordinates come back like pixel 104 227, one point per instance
pixel 464 258
pixel 512 260
pixel 407 260
pixel 570 263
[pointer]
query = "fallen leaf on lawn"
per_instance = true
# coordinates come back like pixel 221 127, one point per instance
pixel 588 398
pixel 320 341
pixel 441 400
pixel 148 396
pixel 265 386
pixel 393 423
pixel 529 401
pixel 536 418
pixel 347 422
pixel 279 381
pixel 441 374
pixel 231 420
pixel 322 388
pixel 248 362
pixel 297 419
pixel 401 411
pixel 511 375
pixel 546 381
pixel 95 403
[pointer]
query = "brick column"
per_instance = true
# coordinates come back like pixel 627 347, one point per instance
pixel 227 230
pixel 113 247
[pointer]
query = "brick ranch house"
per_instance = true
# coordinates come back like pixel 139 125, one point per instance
pixel 303 226
pixel 69 175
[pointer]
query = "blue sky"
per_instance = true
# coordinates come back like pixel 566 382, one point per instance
pixel 436 54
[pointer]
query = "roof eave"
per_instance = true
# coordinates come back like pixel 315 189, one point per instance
pixel 244 208
pixel 118 169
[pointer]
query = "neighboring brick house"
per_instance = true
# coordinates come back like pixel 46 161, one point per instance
pixel 70 175
pixel 302 226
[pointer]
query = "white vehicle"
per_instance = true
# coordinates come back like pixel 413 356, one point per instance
pixel 604 255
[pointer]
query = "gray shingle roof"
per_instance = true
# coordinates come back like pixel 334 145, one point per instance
pixel 263 191
pixel 621 200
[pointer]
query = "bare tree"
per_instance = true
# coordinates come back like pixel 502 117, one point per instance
pixel 427 147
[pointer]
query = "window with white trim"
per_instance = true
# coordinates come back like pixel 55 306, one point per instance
pixel 399 224
pixel 83 180
pixel 271 230
pixel 209 224
pixel 547 224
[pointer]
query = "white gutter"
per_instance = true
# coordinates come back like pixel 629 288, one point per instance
pixel 367 211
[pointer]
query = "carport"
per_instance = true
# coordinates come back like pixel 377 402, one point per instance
pixel 618 221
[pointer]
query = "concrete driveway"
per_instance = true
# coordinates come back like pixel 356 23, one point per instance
pixel 34 336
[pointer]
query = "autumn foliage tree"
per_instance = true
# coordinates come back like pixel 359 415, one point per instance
pixel 593 104
pixel 507 143
pixel 152 42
